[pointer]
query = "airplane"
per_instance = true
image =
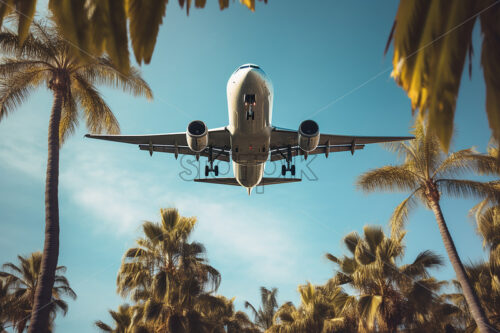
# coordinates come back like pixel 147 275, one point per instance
pixel 249 140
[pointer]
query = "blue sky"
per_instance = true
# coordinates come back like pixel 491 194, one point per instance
pixel 326 62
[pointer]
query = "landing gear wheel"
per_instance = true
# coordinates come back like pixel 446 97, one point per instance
pixel 206 170
pixel 283 170
pixel 216 170
pixel 293 170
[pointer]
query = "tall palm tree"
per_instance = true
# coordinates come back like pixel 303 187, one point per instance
pixel 22 280
pixel 263 317
pixel 389 295
pixel 44 59
pixel 427 173
pixel 169 276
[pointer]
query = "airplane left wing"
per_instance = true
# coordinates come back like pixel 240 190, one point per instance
pixel 175 143
pixel 282 138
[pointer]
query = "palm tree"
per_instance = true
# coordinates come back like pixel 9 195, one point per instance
pixel 44 59
pixel 319 311
pixel 427 173
pixel 389 295
pixel 432 40
pixel 22 280
pixel 263 317
pixel 169 277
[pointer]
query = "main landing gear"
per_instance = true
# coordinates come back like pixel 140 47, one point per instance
pixel 211 168
pixel 289 166
pixel 249 100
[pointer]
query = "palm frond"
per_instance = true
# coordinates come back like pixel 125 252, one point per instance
pixel 104 72
pixel 12 66
pixel 98 115
pixel 69 119
pixel 458 163
pixel 373 236
pixel 15 89
pixel 103 326
pixel 399 217
pixel 145 20
pixel 351 241
pixel 425 260
pixel 32 48
pixel 491 67
pixel 469 189
pixel 389 178
pixel 368 308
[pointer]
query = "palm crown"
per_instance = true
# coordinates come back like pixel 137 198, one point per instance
pixel 22 280
pixel 426 172
pixel 44 59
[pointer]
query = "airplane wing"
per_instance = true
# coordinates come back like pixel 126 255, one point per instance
pixel 175 143
pixel 282 138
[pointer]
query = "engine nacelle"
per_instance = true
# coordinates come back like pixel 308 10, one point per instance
pixel 308 135
pixel 197 135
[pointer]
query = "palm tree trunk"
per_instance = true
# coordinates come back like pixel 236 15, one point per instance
pixel 469 293
pixel 40 312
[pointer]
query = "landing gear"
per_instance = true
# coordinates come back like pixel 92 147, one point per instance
pixel 289 166
pixel 211 168
pixel 249 100
pixel 250 113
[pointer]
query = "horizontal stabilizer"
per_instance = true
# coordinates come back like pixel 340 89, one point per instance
pixel 233 181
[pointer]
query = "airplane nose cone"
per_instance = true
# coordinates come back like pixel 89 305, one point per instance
pixel 253 74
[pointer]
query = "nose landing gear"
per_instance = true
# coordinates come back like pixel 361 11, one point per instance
pixel 249 100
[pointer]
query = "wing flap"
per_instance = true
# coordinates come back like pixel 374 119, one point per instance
pixel 280 154
pixel 218 154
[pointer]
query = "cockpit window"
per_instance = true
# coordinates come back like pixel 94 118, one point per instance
pixel 249 66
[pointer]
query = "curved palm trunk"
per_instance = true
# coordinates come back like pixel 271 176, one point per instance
pixel 39 322
pixel 469 293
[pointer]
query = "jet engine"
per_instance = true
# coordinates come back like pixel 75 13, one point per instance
pixel 197 135
pixel 308 135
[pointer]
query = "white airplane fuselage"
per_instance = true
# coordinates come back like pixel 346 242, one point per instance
pixel 250 136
